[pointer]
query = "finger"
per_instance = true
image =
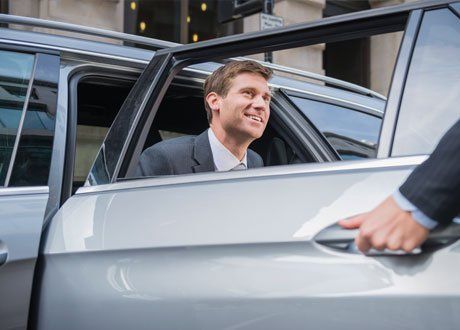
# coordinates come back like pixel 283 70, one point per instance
pixel 353 222
pixel 413 241
pixel 409 244
pixel 395 240
pixel 382 232
pixel 414 235
pixel 362 242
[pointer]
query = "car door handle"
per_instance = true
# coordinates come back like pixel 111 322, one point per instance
pixel 341 239
pixel 3 257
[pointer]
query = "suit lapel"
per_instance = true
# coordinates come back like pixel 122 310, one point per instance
pixel 249 160
pixel 202 154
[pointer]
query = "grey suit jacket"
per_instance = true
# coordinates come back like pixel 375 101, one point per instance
pixel 183 155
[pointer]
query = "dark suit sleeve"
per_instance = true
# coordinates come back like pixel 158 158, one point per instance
pixel 254 159
pixel 154 161
pixel 434 186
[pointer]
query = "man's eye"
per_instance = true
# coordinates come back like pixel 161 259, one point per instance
pixel 248 93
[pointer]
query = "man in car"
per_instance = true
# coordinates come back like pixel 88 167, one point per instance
pixel 237 102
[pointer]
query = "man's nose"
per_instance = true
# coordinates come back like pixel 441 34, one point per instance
pixel 259 102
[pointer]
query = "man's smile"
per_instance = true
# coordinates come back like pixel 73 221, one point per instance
pixel 255 118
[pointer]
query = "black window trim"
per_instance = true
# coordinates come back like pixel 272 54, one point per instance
pixel 81 73
pixel 455 7
pixel 338 102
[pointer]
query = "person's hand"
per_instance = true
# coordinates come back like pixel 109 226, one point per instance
pixel 386 227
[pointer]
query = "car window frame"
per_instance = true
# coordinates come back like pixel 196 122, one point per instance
pixel 35 51
pixel 337 102
pixel 455 13
pixel 80 72
pixel 398 82
pixel 168 62
pixel 312 138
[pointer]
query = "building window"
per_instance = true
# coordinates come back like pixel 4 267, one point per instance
pixel 182 21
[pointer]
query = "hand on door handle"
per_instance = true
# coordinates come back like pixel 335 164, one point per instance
pixel 341 239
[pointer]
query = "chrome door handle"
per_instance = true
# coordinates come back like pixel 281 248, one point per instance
pixel 3 253
pixel 3 257
pixel 341 239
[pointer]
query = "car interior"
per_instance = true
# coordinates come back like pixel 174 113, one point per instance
pixel 181 112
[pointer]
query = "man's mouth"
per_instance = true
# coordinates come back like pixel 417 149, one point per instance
pixel 255 118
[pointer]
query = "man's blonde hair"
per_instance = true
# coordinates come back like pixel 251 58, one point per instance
pixel 220 80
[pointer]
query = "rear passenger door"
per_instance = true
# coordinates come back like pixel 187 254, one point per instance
pixel 28 96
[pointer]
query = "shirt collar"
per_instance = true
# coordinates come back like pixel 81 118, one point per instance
pixel 224 160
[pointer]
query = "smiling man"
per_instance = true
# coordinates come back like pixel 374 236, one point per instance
pixel 237 102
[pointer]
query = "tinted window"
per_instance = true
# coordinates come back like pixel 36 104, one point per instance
pixel 353 134
pixel 99 99
pixel 15 72
pixel 33 159
pixel 431 98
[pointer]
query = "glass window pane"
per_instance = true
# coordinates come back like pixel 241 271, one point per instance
pixel 351 133
pixel 15 72
pixel 430 104
pixel 33 159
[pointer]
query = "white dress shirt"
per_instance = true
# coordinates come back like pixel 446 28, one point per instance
pixel 224 160
pixel 418 215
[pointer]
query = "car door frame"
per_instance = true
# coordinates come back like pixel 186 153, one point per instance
pixel 34 195
pixel 120 147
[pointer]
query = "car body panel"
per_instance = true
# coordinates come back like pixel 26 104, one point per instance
pixel 21 219
pixel 184 256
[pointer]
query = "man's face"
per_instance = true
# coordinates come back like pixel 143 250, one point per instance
pixel 243 113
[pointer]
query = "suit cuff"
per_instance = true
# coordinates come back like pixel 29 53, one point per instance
pixel 418 215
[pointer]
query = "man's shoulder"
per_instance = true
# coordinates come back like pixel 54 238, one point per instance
pixel 172 145
pixel 168 157
pixel 255 159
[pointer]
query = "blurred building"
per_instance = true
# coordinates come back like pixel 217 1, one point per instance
pixel 368 62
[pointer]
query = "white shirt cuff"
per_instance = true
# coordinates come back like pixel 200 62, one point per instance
pixel 418 215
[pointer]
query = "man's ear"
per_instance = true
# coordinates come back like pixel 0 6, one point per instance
pixel 213 101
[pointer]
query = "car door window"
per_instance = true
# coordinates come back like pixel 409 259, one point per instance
pixel 15 73
pixel 430 104
pixel 33 159
pixel 353 134
pixel 98 100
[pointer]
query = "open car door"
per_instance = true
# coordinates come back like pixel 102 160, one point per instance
pixel 246 249
pixel 28 97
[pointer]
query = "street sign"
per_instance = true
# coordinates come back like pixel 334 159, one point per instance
pixel 270 21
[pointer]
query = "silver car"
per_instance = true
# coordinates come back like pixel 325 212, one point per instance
pixel 84 244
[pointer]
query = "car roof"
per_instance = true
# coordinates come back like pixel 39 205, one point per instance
pixel 141 56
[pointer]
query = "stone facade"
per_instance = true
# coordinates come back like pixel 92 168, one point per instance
pixel 295 11
pixel 105 14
